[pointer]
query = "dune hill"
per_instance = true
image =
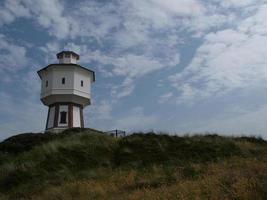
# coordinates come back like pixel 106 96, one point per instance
pixel 88 164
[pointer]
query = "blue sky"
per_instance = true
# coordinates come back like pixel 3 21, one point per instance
pixel 181 66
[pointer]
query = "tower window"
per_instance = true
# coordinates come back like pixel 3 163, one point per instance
pixel 63 117
pixel 63 81
pixel 46 83
pixel 82 83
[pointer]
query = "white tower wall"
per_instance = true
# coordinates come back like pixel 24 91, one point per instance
pixel 80 76
pixel 46 82
pixel 66 89
pixel 53 89
pixel 58 75
pixel 51 116
pixel 76 117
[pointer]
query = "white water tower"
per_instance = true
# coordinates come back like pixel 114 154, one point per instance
pixel 66 90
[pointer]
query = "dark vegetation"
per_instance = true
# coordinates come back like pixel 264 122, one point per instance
pixel 146 149
pixel 26 141
pixel 88 164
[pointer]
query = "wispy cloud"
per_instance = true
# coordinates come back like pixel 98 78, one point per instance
pixel 194 49
pixel 10 10
pixel 136 120
pixel 12 56
pixel 228 59
pixel 165 97
pixel 20 115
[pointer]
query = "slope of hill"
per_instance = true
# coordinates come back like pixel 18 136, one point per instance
pixel 87 164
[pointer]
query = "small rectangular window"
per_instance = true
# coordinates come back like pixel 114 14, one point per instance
pixel 63 117
pixel 46 84
pixel 82 83
pixel 63 81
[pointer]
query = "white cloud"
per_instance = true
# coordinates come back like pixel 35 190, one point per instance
pixel 130 22
pixel 101 110
pixel 22 110
pixel 143 35
pixel 10 10
pixel 132 39
pixel 161 14
pixel 12 56
pixel 255 24
pixel 49 14
pixel 165 97
pixel 181 7
pixel 249 123
pixel 20 115
pixel 123 90
pixel 134 66
pixel 228 60
pixel 86 20
pixel 102 116
pixel 32 84
pixel 129 66
pixel 50 50
pixel 136 120
pixel 236 3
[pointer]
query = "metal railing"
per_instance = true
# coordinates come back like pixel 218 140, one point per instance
pixel 116 133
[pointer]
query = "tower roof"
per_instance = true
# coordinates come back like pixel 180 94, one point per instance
pixel 60 54
pixel 70 64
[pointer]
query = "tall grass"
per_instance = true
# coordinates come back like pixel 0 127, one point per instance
pixel 217 181
pixel 55 162
pixel 147 149
pixel 85 164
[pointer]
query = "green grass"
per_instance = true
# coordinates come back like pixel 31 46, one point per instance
pixel 146 149
pixel 87 164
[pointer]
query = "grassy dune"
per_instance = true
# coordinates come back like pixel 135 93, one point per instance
pixel 87 164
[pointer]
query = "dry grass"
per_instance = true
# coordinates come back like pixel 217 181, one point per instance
pixel 95 166
pixel 234 178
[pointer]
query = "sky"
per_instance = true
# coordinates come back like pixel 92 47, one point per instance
pixel 178 66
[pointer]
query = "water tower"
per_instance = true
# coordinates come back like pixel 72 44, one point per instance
pixel 66 90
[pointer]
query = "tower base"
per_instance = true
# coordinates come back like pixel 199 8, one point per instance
pixel 62 116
